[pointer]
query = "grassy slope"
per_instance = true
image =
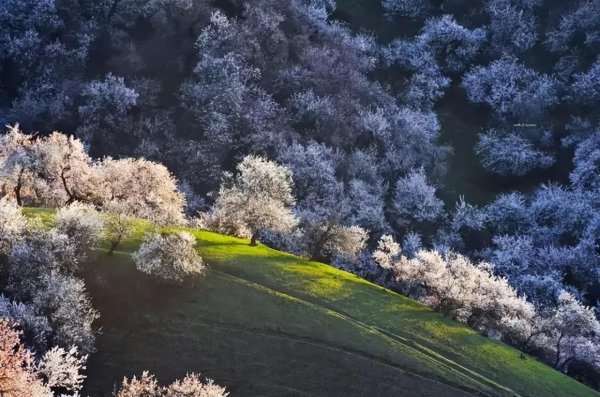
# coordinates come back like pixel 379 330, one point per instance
pixel 267 323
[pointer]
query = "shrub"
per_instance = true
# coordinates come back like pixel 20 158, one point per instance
pixel 170 257
pixel 62 368
pixel 12 225
pixel 191 386
pixel 81 223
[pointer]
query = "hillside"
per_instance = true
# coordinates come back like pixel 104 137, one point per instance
pixel 265 322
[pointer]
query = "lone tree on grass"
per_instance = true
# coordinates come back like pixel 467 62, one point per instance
pixel 170 257
pixel 260 197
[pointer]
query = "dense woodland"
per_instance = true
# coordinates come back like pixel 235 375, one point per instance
pixel 293 124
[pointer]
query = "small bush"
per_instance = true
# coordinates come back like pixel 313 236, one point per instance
pixel 171 257
pixel 82 224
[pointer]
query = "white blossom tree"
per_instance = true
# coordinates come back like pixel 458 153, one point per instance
pixel 143 188
pixel 63 298
pixel 191 386
pixel 62 369
pixel 171 257
pixel 16 163
pixel 51 170
pixel 81 223
pixel 260 196
pixel 13 225
pixel 345 242
pixel 571 325
pixel 63 166
pixel 456 287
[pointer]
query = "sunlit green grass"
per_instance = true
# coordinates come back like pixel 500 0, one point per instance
pixel 262 288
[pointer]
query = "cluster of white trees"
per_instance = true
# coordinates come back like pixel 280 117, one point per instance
pixel 55 170
pixel 40 266
pixel 259 200
pixel 454 286
pixel 47 303
pixel 563 332
pixel 192 385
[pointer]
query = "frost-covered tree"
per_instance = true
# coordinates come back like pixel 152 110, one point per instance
pixel 260 196
pixel 512 24
pixel 171 257
pixel 407 8
pixel 510 154
pixel 426 83
pixel 586 173
pixel 223 94
pixel 542 242
pixel 452 45
pixel 106 106
pixel 509 213
pixel 316 187
pixel 580 27
pixel 61 369
pixel 45 63
pixel 511 90
pixel 415 200
pixel 585 89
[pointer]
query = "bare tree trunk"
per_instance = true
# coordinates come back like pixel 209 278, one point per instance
pixel 254 239
pixel 70 195
pixel 113 245
pixel 17 190
pixel 558 352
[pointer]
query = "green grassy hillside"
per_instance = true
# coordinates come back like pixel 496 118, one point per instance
pixel 266 323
